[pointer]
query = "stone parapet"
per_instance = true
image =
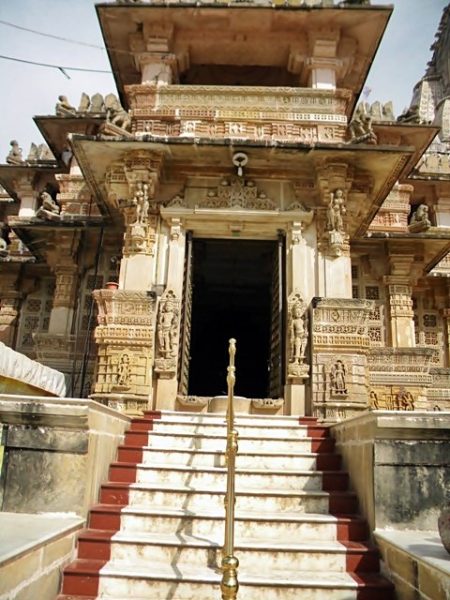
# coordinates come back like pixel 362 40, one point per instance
pixel 416 562
pixel 260 113
pixel 392 455
pixel 340 343
pixel 57 452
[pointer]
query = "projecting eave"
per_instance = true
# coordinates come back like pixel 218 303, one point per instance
pixel 35 233
pixel 376 169
pixel 55 130
pixel 10 175
pixel 417 136
pixel 431 245
pixel 241 34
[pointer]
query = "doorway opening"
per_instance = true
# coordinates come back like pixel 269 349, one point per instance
pixel 232 296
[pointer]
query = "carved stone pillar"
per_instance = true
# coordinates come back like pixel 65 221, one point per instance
pixel 27 196
pixel 299 287
pixel 169 320
pixel 10 298
pixel 125 338
pixel 334 263
pixel 56 348
pixel 133 185
pixel 340 344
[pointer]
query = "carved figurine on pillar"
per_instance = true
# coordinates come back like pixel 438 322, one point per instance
pixel 338 372
pixel 336 211
pixel 167 333
pixel 298 336
pixel 140 232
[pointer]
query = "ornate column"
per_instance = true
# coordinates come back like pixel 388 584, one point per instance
pixel 56 347
pixel 169 320
pixel 400 308
pixel 299 290
pixel 126 323
pixel 27 195
pixel 10 298
pixel 140 211
pixel 334 263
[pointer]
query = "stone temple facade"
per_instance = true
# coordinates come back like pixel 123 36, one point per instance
pixel 237 187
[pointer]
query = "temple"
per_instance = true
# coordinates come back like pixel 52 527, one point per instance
pixel 236 185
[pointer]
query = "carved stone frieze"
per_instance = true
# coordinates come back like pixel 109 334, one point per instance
pixel 297 336
pixel 237 193
pixel 405 366
pixel 167 333
pixel 193 401
pixel 341 322
pixel 241 113
pixel 267 403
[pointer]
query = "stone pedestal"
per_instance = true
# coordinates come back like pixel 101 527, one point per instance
pixel 340 343
pixel 125 338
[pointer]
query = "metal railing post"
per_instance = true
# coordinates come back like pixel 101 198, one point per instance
pixel 229 585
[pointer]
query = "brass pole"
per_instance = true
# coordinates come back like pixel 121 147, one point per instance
pixel 230 585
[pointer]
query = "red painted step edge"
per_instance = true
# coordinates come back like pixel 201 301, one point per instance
pixel 82 577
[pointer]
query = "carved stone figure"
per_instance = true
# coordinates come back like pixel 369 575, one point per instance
pixel 141 201
pixel 360 126
pixel 167 326
pixel 298 336
pixel 15 154
pixel 3 247
pixel 404 400
pixel 420 220
pixel 48 203
pixel 63 107
pixel 123 369
pixel 85 102
pixel 336 210
pixel 337 378
pixel 116 114
pixel 97 104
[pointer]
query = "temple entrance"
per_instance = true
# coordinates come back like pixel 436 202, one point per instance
pixel 235 292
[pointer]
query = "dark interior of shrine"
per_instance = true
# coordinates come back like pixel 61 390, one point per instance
pixel 232 283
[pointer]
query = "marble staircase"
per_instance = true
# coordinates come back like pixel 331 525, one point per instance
pixel 158 529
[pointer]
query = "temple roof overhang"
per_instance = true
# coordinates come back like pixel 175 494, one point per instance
pixel 429 247
pixel 255 35
pixel 375 169
pixel 11 176
pixel 56 129
pixel 406 134
pixel 36 233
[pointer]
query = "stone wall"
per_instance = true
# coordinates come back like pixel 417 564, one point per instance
pixel 56 452
pixel 398 465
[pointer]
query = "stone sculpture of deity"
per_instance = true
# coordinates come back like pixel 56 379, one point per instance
pixel 336 211
pixel 337 378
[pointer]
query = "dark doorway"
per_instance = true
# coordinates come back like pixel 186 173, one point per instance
pixel 232 297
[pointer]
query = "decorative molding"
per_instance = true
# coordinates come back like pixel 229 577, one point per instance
pixel 239 193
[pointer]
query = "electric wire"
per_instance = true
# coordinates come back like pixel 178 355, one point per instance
pixel 53 66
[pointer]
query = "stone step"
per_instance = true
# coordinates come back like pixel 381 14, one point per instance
pixel 198 498
pixel 217 443
pixel 296 526
pixel 216 477
pixel 254 554
pixel 157 581
pixel 258 430
pixel 240 418
pixel 200 458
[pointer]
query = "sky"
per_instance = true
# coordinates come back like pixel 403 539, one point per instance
pixel 28 90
